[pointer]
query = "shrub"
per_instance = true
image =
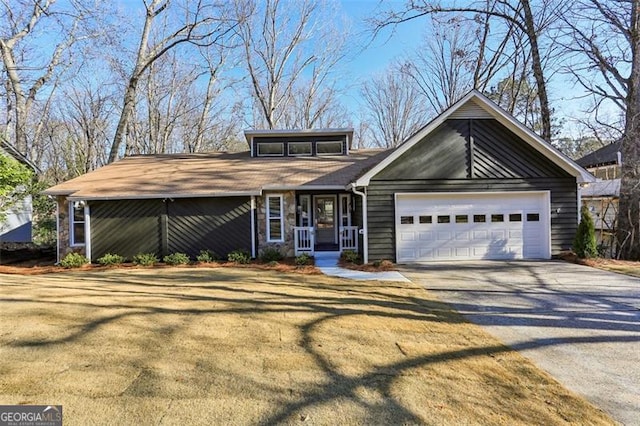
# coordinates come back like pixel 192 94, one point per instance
pixel 111 259
pixel 207 256
pixel 584 245
pixel 73 260
pixel 303 259
pixel 270 254
pixel 350 256
pixel 174 259
pixel 145 259
pixel 239 256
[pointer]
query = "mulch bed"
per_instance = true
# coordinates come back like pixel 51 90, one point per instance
pixel 37 266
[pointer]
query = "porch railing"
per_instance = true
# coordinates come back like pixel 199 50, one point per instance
pixel 348 238
pixel 304 237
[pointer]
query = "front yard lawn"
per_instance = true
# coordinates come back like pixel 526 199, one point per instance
pixel 243 346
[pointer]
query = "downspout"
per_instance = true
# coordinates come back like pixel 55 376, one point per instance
pixel 87 231
pixel 253 227
pixel 57 230
pixel 365 234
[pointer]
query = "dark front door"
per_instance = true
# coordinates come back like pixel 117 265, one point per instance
pixel 325 209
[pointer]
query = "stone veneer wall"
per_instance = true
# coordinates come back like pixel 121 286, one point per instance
pixel 64 242
pixel 289 206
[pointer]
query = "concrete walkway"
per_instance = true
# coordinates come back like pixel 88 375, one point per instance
pixel 580 324
pixel 327 262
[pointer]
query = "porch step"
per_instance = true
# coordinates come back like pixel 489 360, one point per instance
pixel 326 258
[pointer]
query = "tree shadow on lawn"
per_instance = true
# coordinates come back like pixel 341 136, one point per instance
pixel 323 306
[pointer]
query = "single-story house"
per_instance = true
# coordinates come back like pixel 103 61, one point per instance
pixel 474 183
pixel 18 224
pixel 602 196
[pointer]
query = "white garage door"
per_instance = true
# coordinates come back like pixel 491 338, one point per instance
pixel 452 226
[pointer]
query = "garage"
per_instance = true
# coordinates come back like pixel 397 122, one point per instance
pixel 462 226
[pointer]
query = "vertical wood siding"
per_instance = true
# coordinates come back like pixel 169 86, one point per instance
pixel 125 227
pixel 128 227
pixel 218 224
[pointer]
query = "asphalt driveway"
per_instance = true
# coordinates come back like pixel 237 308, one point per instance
pixel 580 324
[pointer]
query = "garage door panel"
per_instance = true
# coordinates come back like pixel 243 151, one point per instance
pixel 425 236
pixel 407 236
pixel 473 226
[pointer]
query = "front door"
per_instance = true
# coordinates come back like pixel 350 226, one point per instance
pixel 325 219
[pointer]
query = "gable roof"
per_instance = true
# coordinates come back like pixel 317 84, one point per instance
pixel 476 104
pixel 606 155
pixel 215 175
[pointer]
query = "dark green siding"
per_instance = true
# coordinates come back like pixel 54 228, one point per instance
pixel 467 155
pixel 479 148
pixel 442 154
pixel 128 227
pixel 125 227
pixel 218 224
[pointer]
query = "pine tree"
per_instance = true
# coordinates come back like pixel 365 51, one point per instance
pixel 584 245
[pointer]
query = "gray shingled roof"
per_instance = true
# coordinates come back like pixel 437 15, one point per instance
pixel 603 156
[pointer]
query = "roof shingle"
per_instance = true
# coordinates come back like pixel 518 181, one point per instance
pixel 215 174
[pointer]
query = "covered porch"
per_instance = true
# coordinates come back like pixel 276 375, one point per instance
pixel 325 222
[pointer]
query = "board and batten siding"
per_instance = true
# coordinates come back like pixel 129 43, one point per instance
pixel 469 155
pixel 129 227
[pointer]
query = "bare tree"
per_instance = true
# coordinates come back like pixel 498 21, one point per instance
pixel 608 67
pixel 455 58
pixel 395 108
pixel 197 23
pixel 289 52
pixel 27 63
pixel 519 14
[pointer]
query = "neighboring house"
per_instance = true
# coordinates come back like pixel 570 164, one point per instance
pixel 17 227
pixel 603 195
pixel 473 184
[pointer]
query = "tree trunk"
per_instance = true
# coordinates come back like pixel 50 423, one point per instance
pixel 628 229
pixel 538 72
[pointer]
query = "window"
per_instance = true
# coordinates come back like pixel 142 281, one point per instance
pixel 444 219
pixel 406 220
pixel 329 148
pixel 76 216
pixel 497 218
pixel 426 219
pixel 299 148
pixel 515 217
pixel 533 217
pixel 304 210
pixel 274 218
pixel 270 149
pixel 462 218
pixel 479 218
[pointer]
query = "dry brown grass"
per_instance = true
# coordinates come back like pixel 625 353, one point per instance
pixel 244 346
pixel 627 267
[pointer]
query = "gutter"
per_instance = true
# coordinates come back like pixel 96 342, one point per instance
pixel 365 234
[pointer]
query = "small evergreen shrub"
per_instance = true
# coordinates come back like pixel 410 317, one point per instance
pixel 73 260
pixel 303 260
pixel 584 245
pixel 207 256
pixel 174 259
pixel 350 256
pixel 270 254
pixel 111 259
pixel 239 256
pixel 145 259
